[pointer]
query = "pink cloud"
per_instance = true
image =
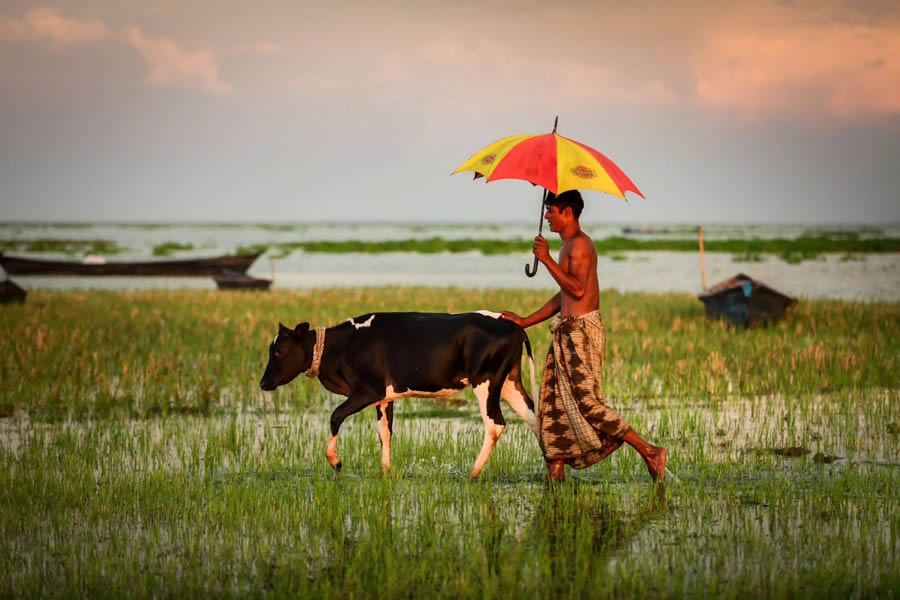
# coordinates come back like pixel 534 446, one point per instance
pixel 45 24
pixel 791 66
pixel 259 48
pixel 171 65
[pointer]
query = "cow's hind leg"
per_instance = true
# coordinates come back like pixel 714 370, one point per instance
pixel 513 392
pixel 350 406
pixel 488 394
pixel 385 430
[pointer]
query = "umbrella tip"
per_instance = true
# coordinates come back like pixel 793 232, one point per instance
pixel 555 121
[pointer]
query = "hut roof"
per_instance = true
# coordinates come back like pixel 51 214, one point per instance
pixel 740 280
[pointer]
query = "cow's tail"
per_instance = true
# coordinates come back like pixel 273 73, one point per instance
pixel 534 390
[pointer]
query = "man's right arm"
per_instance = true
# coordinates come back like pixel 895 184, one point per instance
pixel 542 314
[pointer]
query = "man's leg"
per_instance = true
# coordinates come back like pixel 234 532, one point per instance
pixel 654 456
pixel 556 470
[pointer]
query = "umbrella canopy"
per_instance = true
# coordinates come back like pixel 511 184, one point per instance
pixel 551 161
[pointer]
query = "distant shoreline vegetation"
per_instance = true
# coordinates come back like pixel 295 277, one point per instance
pixel 170 248
pixel 851 245
pixel 790 250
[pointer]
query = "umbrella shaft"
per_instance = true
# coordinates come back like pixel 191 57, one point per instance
pixel 541 217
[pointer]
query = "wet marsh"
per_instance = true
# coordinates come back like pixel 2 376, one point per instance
pixel 138 457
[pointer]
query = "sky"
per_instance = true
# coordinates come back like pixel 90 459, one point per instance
pixel 298 110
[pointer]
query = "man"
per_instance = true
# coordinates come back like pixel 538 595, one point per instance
pixel 576 427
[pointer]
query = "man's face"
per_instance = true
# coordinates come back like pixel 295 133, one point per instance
pixel 556 219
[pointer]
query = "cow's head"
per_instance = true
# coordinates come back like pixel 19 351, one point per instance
pixel 287 357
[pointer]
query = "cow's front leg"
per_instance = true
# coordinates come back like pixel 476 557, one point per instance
pixel 385 415
pixel 350 406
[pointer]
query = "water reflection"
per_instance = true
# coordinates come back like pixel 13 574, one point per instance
pixel 579 518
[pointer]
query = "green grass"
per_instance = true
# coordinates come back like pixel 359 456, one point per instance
pixel 96 354
pixel 169 248
pixel 139 458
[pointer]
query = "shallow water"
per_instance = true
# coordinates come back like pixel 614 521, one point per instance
pixel 877 277
pixel 868 277
pixel 723 430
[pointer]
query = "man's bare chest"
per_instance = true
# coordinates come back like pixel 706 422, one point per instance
pixel 565 258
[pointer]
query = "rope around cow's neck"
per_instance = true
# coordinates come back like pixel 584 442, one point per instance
pixel 313 371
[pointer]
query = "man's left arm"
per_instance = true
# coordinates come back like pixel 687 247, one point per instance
pixel 573 282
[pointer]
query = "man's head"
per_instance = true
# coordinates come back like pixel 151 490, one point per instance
pixel 287 357
pixel 563 209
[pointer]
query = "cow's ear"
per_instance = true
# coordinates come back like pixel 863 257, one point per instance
pixel 282 328
pixel 300 329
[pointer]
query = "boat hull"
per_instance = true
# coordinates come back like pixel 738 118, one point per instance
pixel 244 282
pixel 194 267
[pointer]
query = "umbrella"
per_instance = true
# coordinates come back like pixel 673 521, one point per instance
pixel 556 163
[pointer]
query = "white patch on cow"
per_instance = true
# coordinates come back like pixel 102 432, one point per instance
pixel 384 433
pixel 275 339
pixel 391 394
pixel 516 400
pixel 367 323
pixel 492 431
pixel 487 313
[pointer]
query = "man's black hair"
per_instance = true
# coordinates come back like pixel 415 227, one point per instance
pixel 572 199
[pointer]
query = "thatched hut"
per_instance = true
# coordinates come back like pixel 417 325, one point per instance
pixel 745 301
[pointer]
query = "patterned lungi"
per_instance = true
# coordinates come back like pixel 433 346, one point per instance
pixel 574 423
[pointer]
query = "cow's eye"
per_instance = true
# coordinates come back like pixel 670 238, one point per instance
pixel 278 353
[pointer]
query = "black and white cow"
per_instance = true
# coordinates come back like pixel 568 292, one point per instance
pixel 376 358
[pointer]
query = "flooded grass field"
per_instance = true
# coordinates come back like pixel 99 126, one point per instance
pixel 138 457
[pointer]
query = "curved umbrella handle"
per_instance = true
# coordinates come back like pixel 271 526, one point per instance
pixel 533 271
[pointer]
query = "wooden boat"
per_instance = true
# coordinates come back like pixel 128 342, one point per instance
pixel 637 230
pixel 10 292
pixel 233 280
pixel 192 267
pixel 745 301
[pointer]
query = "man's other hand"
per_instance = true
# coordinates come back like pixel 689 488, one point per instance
pixel 541 249
pixel 511 316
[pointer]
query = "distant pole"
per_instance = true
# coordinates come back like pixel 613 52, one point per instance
pixel 702 262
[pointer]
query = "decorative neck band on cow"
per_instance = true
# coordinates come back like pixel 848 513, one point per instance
pixel 313 371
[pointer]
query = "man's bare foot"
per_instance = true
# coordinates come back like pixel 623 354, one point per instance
pixel 656 464
pixel 556 470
